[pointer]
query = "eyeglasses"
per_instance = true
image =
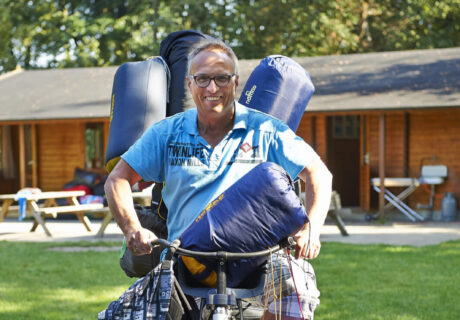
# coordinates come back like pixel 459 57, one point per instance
pixel 203 80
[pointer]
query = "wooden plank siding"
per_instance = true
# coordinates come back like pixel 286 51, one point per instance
pixel 430 133
pixel 61 149
pixel 394 143
pixel 435 133
pixel 313 130
pixel 321 136
pixel 410 137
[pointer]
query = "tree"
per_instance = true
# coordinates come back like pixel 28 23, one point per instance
pixel 60 33
pixel 7 57
pixel 20 25
pixel 421 24
pixel 71 33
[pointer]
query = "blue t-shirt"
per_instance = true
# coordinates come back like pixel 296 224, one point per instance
pixel 172 151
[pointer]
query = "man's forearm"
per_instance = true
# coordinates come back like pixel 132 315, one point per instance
pixel 119 198
pixel 318 189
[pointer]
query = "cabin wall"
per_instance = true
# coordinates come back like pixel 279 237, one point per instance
pixel 306 125
pixel 394 149
pixel 61 149
pixel 435 134
pixel 411 137
pixel 313 130
pixel 431 135
pixel 394 145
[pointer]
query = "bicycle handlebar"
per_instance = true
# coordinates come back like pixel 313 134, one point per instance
pixel 175 247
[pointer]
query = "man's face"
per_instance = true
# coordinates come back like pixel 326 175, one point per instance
pixel 212 99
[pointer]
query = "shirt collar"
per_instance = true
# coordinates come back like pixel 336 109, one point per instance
pixel 190 125
pixel 241 117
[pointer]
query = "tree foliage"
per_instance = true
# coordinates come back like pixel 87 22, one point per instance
pixel 77 33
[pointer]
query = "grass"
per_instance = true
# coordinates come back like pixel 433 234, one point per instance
pixel 388 282
pixel 356 281
pixel 37 283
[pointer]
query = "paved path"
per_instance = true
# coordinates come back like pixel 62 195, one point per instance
pixel 62 230
pixel 396 233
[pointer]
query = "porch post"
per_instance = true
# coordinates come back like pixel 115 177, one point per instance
pixel 382 165
pixel 22 157
pixel 33 142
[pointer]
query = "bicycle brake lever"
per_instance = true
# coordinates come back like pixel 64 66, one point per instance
pixel 288 243
pixel 291 243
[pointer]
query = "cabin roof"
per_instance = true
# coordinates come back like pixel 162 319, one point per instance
pixel 386 80
pixel 56 94
pixel 354 82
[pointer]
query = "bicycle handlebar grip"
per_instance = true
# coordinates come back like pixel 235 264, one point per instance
pixel 159 242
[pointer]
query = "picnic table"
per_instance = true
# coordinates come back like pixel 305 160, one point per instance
pixel 51 208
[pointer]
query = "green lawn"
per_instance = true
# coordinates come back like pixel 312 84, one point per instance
pixel 356 281
pixel 388 282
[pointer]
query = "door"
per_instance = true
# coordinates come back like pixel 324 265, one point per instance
pixel 343 156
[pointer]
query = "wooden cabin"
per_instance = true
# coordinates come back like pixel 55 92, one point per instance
pixel 385 115
pixel 52 122
pixel 372 115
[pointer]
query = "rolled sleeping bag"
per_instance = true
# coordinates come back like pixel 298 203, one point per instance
pixel 255 213
pixel 139 98
pixel 175 49
pixel 280 87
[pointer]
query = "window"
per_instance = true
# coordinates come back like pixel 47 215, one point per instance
pixel 94 145
pixel 345 127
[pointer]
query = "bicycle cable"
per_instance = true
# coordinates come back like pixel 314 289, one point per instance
pixel 292 271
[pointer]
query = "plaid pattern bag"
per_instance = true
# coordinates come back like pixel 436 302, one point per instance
pixel 281 296
pixel 140 301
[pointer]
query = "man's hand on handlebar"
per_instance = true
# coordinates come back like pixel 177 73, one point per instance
pixel 307 246
pixel 138 241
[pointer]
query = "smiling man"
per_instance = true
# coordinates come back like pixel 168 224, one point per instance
pixel 201 152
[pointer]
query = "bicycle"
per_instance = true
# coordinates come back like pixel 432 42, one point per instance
pixel 222 301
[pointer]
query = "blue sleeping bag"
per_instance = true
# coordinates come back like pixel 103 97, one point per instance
pixel 139 97
pixel 175 49
pixel 255 213
pixel 280 87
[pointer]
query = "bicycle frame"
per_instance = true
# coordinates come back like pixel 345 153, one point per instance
pixel 221 300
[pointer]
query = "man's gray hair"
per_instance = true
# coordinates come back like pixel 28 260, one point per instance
pixel 208 45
